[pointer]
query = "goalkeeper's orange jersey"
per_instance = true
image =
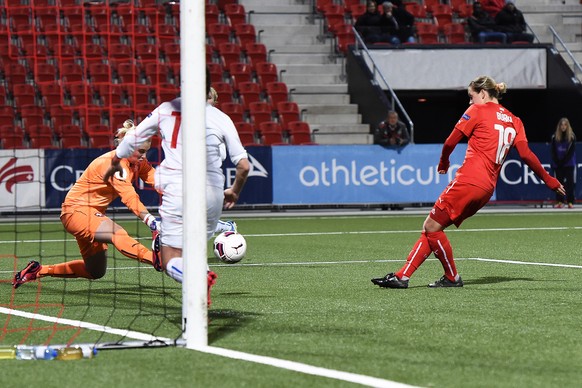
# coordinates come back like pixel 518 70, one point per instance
pixel 492 130
pixel 90 190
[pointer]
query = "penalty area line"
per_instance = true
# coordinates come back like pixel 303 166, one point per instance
pixel 86 325
pixel 303 368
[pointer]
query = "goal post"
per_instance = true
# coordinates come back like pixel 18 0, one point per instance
pixel 193 92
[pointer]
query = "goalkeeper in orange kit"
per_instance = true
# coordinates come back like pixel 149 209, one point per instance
pixel 83 216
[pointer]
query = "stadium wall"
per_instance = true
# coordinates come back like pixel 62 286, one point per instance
pixel 305 176
pixel 431 84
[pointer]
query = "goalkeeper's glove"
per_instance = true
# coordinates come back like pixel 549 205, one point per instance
pixel 152 222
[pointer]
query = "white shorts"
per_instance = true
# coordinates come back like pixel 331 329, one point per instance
pixel 171 211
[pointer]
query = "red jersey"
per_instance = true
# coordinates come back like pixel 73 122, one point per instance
pixel 492 130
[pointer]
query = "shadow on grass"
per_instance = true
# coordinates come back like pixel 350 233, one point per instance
pixel 223 322
pixel 495 280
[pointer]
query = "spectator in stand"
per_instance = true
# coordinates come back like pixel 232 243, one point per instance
pixel 389 26
pixel 492 7
pixel 405 21
pixel 511 21
pixel 563 149
pixel 483 27
pixel 368 24
pixel 391 132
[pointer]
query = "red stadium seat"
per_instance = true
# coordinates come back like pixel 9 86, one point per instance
pixel 233 110
pixel 277 92
pixel 240 72
pixel 235 14
pixel 256 53
pixel 245 33
pixel 288 111
pixel 249 92
pixel 266 72
pixel 225 92
pixel 427 33
pixel 260 112
pixel 220 33
pixel 454 33
pixel 229 53
pixel 299 133
pixel 246 132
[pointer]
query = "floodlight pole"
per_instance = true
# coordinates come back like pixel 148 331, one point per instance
pixel 193 89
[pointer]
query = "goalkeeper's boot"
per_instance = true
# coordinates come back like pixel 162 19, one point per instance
pixel 444 282
pixel 211 281
pixel 28 274
pixel 390 281
pixel 156 254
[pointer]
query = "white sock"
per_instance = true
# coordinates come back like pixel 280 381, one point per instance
pixel 175 269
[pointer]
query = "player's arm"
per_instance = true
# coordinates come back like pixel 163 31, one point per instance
pixel 232 193
pixel 131 199
pixel 454 138
pixel 533 162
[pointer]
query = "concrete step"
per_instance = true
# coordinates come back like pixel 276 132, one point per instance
pixel 312 58
pixel 318 88
pixel 342 138
pixel 361 129
pixel 301 49
pixel 323 99
pixel 280 19
pixel 292 69
pixel 339 118
pixel 311 78
pixel 288 29
pixel 319 109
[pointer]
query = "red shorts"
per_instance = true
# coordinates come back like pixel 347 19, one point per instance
pixel 458 202
pixel 82 222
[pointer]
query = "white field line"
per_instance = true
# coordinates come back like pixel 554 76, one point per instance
pixel 82 324
pixel 345 233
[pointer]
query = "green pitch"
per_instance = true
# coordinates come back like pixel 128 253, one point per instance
pixel 303 294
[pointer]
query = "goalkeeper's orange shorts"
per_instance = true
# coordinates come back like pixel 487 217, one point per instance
pixel 82 222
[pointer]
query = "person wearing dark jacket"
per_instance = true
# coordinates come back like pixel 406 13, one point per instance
pixel 563 148
pixel 511 21
pixel 368 24
pixel 483 27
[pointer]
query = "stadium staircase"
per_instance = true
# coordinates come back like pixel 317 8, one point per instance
pixel 309 66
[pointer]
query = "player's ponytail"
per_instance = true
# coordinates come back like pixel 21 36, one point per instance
pixel 484 82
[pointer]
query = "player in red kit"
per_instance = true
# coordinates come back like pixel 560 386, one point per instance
pixel 491 130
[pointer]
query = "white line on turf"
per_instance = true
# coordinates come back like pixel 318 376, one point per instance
pixel 86 325
pixel 304 368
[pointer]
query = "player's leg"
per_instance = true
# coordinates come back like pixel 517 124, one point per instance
pixel 418 254
pixel 438 241
pixel 110 232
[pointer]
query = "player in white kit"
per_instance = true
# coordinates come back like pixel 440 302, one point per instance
pixel 221 135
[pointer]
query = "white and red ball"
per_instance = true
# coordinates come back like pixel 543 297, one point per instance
pixel 230 247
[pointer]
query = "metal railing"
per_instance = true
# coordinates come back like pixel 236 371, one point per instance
pixel 379 80
pixel 576 68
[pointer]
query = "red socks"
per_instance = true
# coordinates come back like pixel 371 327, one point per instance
pixel 440 245
pixel 433 242
pixel 420 251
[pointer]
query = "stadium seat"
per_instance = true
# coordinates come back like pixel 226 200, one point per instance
pixel 463 10
pixel 276 92
pixel 266 72
pixel 417 10
pixel 245 34
pixel 249 92
pixel 320 5
pixel 212 13
pixel 72 140
pixel 157 73
pixel 31 115
pixel 430 4
pixel 454 33
pixel 234 110
pixel 24 94
pixel 220 33
pixel 443 15
pixel 271 133
pixel 427 33
pixel 334 15
pixel 356 10
pixel 256 53
pixel 235 14
pixel 246 132
pixel 287 111
pixel 15 73
pixel 344 37
pixel 12 141
pixel 72 72
pixel 240 72
pixel 225 92
pixel 299 132
pixel 216 72
pixel 171 52
pixel 229 53
pixel 98 73
pixel 51 94
pixel 147 52
pixel 260 112
pixel 45 72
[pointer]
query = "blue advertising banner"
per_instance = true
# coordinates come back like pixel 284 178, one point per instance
pixel 354 174
pixel 64 167
pixel 259 186
pixel 518 183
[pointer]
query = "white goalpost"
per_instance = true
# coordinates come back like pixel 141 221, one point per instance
pixel 193 92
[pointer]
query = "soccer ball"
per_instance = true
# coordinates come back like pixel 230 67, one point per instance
pixel 230 247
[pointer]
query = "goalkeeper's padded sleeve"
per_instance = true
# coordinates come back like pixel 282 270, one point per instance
pixel 534 163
